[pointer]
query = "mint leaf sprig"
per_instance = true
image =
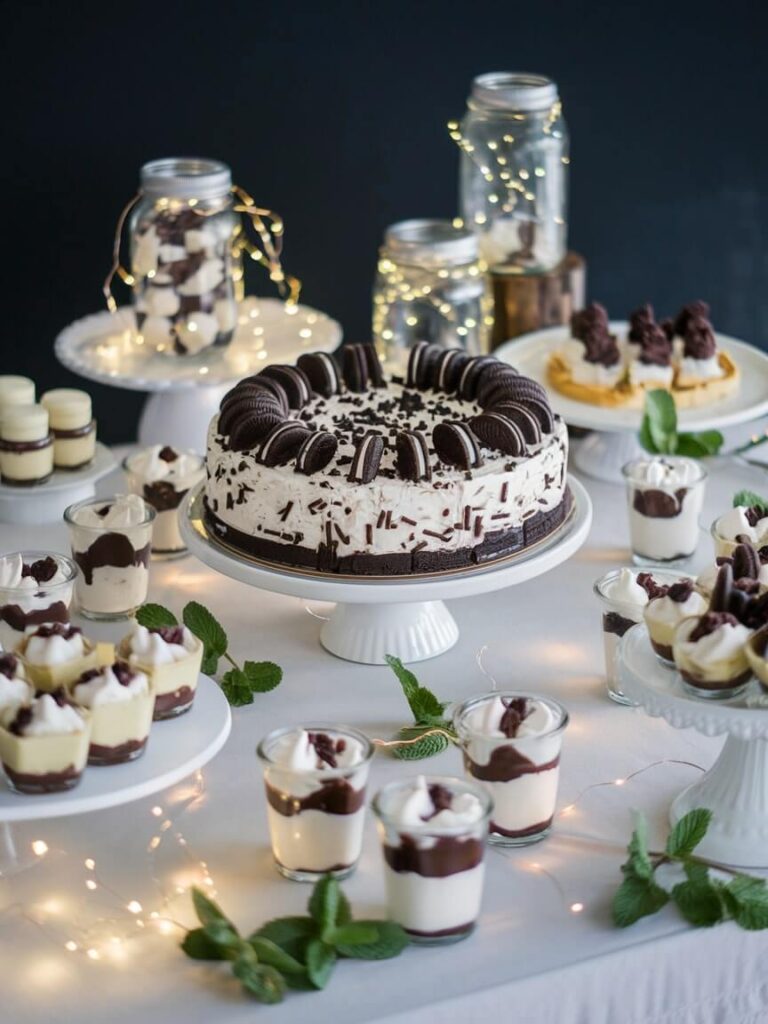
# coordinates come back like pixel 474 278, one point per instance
pixel 701 899
pixel 659 435
pixel 239 683
pixel 749 499
pixel 292 952
pixel 428 715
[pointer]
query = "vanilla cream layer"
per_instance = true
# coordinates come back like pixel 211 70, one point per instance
pixel 35 464
pixel 121 721
pixel 314 840
pixel 422 904
pixel 74 451
pixel 38 755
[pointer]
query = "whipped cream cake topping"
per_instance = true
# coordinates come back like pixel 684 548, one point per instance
pixel 49 714
pixel 744 523
pixel 435 805
pixel 124 510
pixel 14 687
pixel 304 751
pixel 627 588
pixel 54 644
pixel 161 645
pixel 109 685
pixel 512 718
pixel 666 474
pixel 717 636
pixel 162 462
pixel 16 574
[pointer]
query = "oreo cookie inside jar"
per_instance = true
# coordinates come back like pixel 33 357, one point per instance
pixel 183 264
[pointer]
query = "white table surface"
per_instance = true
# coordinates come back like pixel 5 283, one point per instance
pixel 532 959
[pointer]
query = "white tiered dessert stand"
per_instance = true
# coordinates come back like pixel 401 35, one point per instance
pixel 177 748
pixel 45 503
pixel 614 443
pixel 185 392
pixel 735 788
pixel 403 617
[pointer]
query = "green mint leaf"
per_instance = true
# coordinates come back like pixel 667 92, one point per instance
pixel 199 946
pixel 646 438
pixel 261 980
pixel 698 901
pixel 391 940
pixel 408 680
pixel 223 934
pixel 426 707
pixel 201 622
pixel 636 898
pixel 747 900
pixel 263 676
pixel 207 911
pixel 270 953
pixel 427 746
pixel 749 499
pixel 236 688
pixel 290 933
pixel 712 440
pixel 662 420
pixel 321 960
pixel 299 982
pixel 356 933
pixel 324 904
pixel 153 616
pixel 688 832
pixel 690 446
pixel 639 863
pixel 344 910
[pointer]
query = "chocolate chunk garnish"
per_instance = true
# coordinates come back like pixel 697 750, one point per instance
pixel 655 346
pixel 699 339
pixel 745 562
pixel 681 591
pixel 63 629
pixel 709 622
pixel 693 310
pixel 412 456
pixel 123 672
pixel 321 372
pixel 42 570
pixel 365 463
pixel 499 432
pixel 650 586
pixel 171 634
pixel 516 711
pixel 167 454
pixel 355 368
pixel 316 452
pixel 325 748
pixel 9 663
pixel 293 381
pixel 456 445
pixel 659 504
pixel 441 800
pixel 639 321
pixel 590 326
pixel 283 443
pixel 21 720
pixel 592 317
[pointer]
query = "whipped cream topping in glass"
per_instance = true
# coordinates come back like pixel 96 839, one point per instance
pixel 412 805
pixel 296 751
pixel 723 644
pixel 161 646
pixel 47 716
pixel 49 645
pixel 109 685
pixel 665 496
pixel 35 587
pixel 739 522
pixel 124 510
pixel 623 588
pixel 161 462
pixel 162 475
pixel 17 572
pixel 14 687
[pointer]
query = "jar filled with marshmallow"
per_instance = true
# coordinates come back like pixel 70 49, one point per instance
pixel 182 233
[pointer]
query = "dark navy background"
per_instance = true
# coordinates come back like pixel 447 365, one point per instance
pixel 334 114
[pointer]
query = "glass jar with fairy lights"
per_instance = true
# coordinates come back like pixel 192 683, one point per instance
pixel 514 171
pixel 430 286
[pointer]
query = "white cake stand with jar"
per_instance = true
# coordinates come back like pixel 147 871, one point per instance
pixel 614 441
pixel 376 616
pixel 184 392
pixel 735 789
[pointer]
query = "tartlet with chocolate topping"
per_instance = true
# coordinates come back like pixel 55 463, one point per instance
pixel 170 657
pixel 56 654
pixel 120 701
pixel 44 743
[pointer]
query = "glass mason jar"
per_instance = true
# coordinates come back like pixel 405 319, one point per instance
pixel 514 171
pixel 430 286
pixel 182 233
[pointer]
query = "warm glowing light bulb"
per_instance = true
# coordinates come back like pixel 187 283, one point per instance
pixel 90 863
pixel 576 908
pixel 71 946
pixel 134 907
pixel 39 847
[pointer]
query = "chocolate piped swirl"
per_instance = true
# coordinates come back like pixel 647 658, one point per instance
pixel 333 796
pixel 446 855
pixel 507 763
pixel 110 550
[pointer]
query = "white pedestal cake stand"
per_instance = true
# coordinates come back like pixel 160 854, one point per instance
pixel 45 503
pixel 403 617
pixel 185 392
pixel 177 747
pixel 602 454
pixel 735 788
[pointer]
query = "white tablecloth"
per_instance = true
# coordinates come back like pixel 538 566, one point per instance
pixel 532 959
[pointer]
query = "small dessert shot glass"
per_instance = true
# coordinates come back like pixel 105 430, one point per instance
pixel 315 778
pixel 35 588
pixel 665 497
pixel 433 833
pixel 620 613
pixel 511 745
pixel 111 540
pixel 711 655
pixel 163 476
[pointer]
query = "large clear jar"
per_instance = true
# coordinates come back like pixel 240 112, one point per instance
pixel 182 234
pixel 430 286
pixel 514 171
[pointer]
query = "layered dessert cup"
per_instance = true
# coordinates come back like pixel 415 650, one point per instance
pixel 163 476
pixel 667 606
pixel 26 445
pixel 44 744
pixel 120 701
pixel 739 524
pixel 665 496
pixel 433 833
pixel 35 587
pixel 756 651
pixel 710 653
pixel 315 778
pixel 15 687
pixel 170 657
pixel 511 745
pixel 72 425
pixel 57 654
pixel 111 541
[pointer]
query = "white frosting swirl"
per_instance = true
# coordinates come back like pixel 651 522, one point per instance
pixel 182 472
pixel 625 589
pixel 106 688
pixel 411 807
pixel 486 718
pixel 124 510
pixel 734 523
pixel 53 650
pixel 149 648
pixel 667 473
pixel 294 751
pixel 52 719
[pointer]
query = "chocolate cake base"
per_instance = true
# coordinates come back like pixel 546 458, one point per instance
pixel 128 751
pixel 716 688
pixel 522 833
pixel 49 782
pixel 169 705
pixel 495 545
pixel 461 931
pixel 25 483
pixel 664 651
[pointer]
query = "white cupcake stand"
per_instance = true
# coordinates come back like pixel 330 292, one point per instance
pixel 735 788
pixel 45 503
pixel 176 748
pixel 614 443
pixel 185 392
pixel 375 617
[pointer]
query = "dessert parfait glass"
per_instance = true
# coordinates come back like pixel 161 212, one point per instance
pixel 112 553
pixel 665 497
pixel 433 872
pixel 315 815
pixel 520 771
pixel 35 587
pixel 165 494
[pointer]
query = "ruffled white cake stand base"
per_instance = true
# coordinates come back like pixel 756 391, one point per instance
pixel 735 788
pixel 375 617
